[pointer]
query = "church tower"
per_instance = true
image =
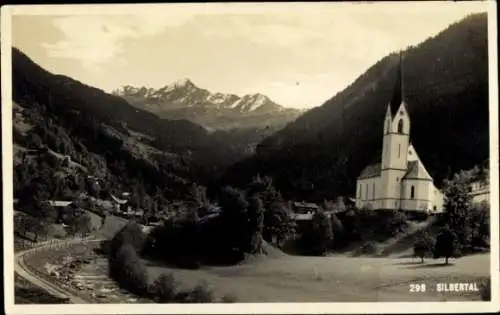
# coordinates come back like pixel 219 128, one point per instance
pixel 396 138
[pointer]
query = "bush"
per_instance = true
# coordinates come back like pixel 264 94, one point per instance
pixel 132 235
pixel 229 298
pixel 201 294
pixel 129 271
pixel 368 248
pixel 164 289
pixel 423 245
pixel 446 244
pixel 318 236
pixel 485 291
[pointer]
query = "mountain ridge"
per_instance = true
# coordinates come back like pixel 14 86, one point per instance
pixel 321 153
pixel 213 110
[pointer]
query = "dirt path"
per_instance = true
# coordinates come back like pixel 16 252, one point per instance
pixel 24 271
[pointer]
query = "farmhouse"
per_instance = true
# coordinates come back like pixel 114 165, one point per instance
pixel 303 210
pixel 480 191
pixel 400 180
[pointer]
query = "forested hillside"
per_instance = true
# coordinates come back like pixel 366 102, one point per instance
pixel 445 78
pixel 66 134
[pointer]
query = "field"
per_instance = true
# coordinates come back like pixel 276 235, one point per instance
pixel 27 293
pixel 282 278
pixel 335 279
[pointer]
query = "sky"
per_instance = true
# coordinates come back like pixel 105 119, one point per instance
pixel 299 55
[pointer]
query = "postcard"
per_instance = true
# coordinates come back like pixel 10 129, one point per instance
pixel 234 158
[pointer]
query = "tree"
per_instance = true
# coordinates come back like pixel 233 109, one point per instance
pixel 256 224
pixel 458 205
pixel 131 234
pixel 263 186
pixel 480 224
pixel 81 224
pixel 34 141
pixel 234 208
pixel 278 223
pixel 197 197
pixel 21 224
pixel 337 229
pixel 423 245
pixel 318 237
pixel 38 227
pixel 446 244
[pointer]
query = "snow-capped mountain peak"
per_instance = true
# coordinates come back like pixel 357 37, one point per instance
pixel 184 93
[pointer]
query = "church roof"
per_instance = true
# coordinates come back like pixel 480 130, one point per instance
pixel 372 170
pixel 416 170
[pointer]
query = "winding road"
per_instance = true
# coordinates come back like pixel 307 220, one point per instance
pixel 23 270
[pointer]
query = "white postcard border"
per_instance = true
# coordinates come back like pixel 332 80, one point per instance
pixel 234 308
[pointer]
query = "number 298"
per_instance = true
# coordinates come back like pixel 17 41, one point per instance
pixel 417 287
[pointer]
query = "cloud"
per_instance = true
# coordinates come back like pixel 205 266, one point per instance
pixel 97 40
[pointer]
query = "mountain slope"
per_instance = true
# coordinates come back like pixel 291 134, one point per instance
pixel 321 154
pixel 58 118
pixel 217 111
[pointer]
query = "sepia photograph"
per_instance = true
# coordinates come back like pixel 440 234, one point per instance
pixel 250 158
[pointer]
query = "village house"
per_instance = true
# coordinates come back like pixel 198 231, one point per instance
pixel 303 210
pixel 57 203
pixel 400 180
pixel 480 191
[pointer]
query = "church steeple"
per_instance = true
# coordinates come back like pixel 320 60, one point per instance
pixel 398 95
pixel 401 77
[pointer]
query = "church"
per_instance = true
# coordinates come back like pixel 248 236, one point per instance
pixel 400 181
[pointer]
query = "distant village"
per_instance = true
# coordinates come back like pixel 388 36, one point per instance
pixel 301 211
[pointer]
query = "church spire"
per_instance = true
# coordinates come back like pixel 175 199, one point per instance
pixel 401 76
pixel 398 95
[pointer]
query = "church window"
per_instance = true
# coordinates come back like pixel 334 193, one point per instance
pixel 373 192
pixel 360 191
pixel 412 193
pixel 399 150
pixel 366 192
pixel 401 112
pixel 400 126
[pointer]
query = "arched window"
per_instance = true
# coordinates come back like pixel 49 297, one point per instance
pixel 373 192
pixel 360 192
pixel 400 126
pixel 399 150
pixel 412 193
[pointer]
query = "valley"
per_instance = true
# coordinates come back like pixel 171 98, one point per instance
pixel 183 195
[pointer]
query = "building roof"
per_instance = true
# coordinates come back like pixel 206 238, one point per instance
pixel 416 171
pixel 58 203
pixel 370 171
pixel 305 205
pixel 119 201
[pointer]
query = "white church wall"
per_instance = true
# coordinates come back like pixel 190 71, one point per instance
pixel 417 195
pixel 390 184
pixel 367 192
pixel 438 200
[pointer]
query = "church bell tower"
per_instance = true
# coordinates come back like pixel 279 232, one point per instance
pixel 396 138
